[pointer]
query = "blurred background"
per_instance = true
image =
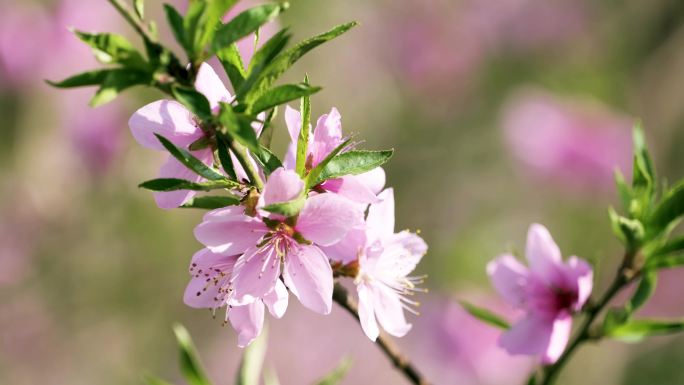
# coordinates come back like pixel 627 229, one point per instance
pixel 501 112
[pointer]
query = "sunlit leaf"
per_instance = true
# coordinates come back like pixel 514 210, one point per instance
pixel 485 315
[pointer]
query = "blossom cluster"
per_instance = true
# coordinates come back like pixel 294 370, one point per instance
pixel 254 256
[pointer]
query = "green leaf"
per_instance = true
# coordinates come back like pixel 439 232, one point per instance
pixel 314 175
pixel 353 163
pixel 189 361
pixel 175 20
pixel 224 156
pixel 643 170
pixel 249 371
pixel 210 21
pixel 238 127
pixel 110 48
pixel 89 78
pixel 173 184
pixel 151 380
pixel 189 161
pixel 232 63
pixel 337 375
pixel 139 6
pixel 117 81
pixel 670 207
pixel 623 191
pixel 303 137
pixel 644 291
pixel 281 95
pixel 244 24
pixel 665 262
pixel 259 82
pixel 485 315
pixel 637 330
pixel 289 208
pixel 269 50
pixel 195 101
pixel 673 246
pixel 192 26
pixel 629 231
pixel 211 202
pixel 268 161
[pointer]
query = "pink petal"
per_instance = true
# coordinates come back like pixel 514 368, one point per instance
pixel 327 135
pixel 282 186
pixel 276 300
pixel 209 84
pixel 389 311
pixel 366 312
pixel 228 231
pixel 510 279
pixel 529 336
pixel 326 218
pixel 562 326
pixel 174 169
pixel 167 118
pixel 373 179
pixel 202 291
pixel 309 277
pixel 380 219
pixel 581 279
pixel 401 253
pixel 256 273
pixel 293 121
pixel 351 187
pixel 348 249
pixel 247 320
pixel 542 253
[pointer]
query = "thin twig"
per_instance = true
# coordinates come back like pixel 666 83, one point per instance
pixel 133 20
pixel 401 362
pixel 240 153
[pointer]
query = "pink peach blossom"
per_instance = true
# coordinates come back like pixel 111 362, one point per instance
pixel 263 242
pixel 550 291
pixel 385 259
pixel 326 137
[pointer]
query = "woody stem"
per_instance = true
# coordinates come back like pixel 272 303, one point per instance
pixel 398 359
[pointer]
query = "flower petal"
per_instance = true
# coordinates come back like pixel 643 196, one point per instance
pixel 529 336
pixel 326 218
pixel 167 118
pixel 581 280
pixel 309 277
pixel 293 121
pixel 373 179
pixel 510 279
pixel 247 320
pixel 276 300
pixel 211 86
pixel 380 219
pixel 327 135
pixel 389 311
pixel 542 253
pixel 366 312
pixel 203 289
pixel 347 250
pixel 282 186
pixel 256 273
pixel 560 335
pixel 401 253
pixel 228 231
pixel 352 188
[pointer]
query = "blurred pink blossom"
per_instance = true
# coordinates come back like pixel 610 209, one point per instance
pixel 550 291
pixel 575 143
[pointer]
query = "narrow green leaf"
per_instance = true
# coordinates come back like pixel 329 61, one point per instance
pixel 269 50
pixel 644 291
pixel 281 95
pixel 173 184
pixel 485 315
pixel 211 202
pixel 210 22
pixel 189 161
pixel 117 81
pixel 257 83
pixel 139 6
pixel 232 63
pixel 303 137
pixel 224 156
pixel 192 26
pixel 195 101
pixel 238 127
pixel 353 163
pixel 670 207
pixel 643 171
pixel 314 175
pixel 665 262
pixel 244 24
pixel 189 361
pixel 337 375
pixel 289 208
pixel 623 191
pixel 673 246
pixel 89 78
pixel 249 371
pixel 268 161
pixel 175 20
pixel 637 330
pixel 629 231
pixel 110 48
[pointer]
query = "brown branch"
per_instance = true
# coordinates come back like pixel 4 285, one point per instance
pixel 400 361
